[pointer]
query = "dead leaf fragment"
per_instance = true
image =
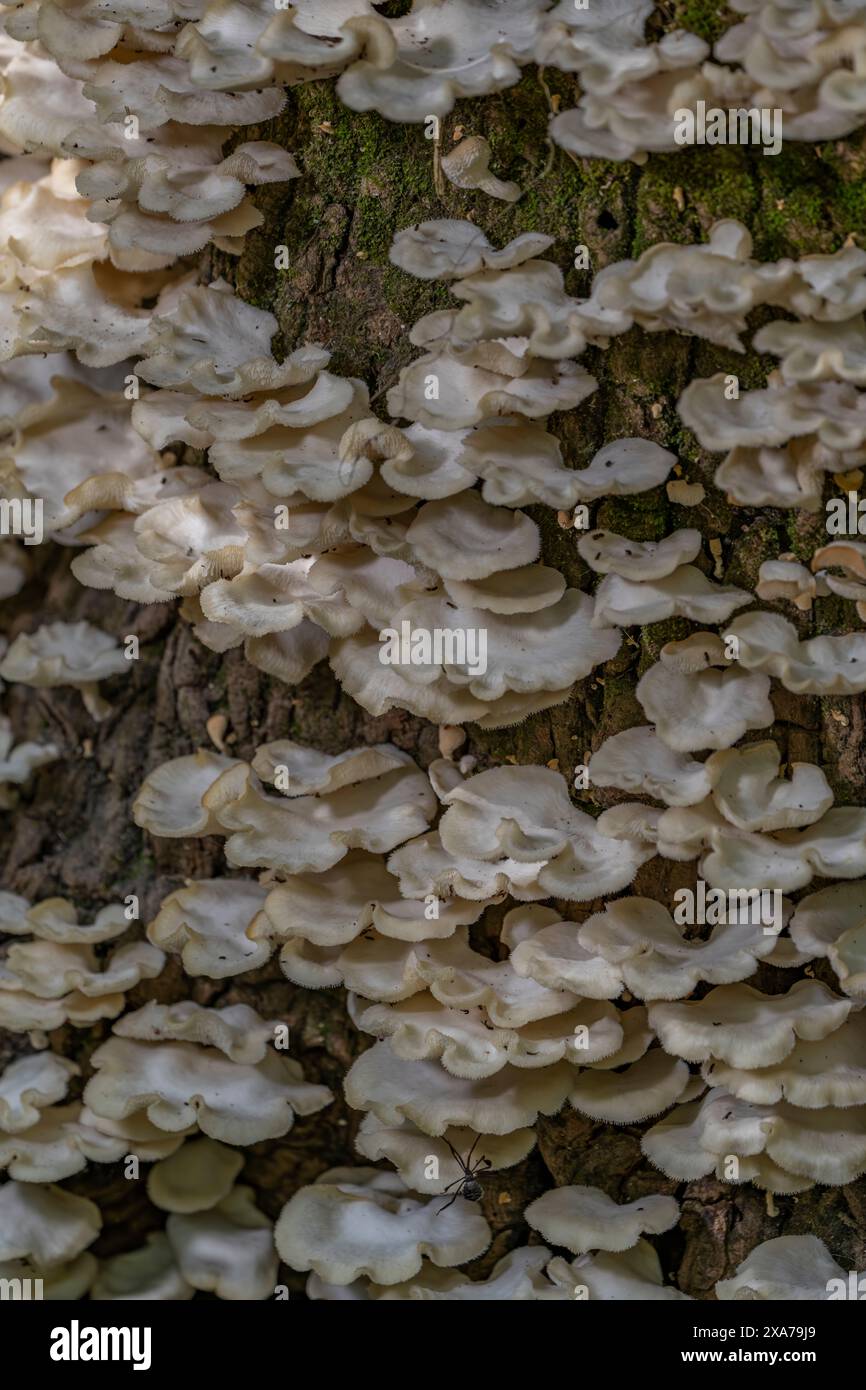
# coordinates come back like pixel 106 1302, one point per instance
pixel 686 494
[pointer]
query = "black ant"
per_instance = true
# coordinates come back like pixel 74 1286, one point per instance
pixel 467 1185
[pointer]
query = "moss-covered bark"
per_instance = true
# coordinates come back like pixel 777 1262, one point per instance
pixel 364 178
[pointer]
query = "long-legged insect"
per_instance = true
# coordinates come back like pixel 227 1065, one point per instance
pixel 467 1184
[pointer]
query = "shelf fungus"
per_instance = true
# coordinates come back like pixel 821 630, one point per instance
pixel 151 1069
pixel 76 654
pixel 585 1218
pixel 362 1221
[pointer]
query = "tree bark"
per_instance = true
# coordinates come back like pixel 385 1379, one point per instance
pixel 73 834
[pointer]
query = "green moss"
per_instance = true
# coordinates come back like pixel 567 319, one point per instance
pixel 657 635
pixel 680 195
pixel 760 541
pixel 643 517
pixel 707 18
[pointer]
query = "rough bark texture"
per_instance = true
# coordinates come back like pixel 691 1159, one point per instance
pixel 363 179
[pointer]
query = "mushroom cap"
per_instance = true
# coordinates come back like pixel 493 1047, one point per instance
pixel 59 1145
pixel 463 537
pixel 467 165
pixel 685 593
pixel 334 907
pixel 585 1218
pixel 208 923
pixel 179 1084
pixel 607 553
pixel 826 1145
pixel 547 950
pixel 216 343
pixel 361 1221
pixel 421 1028
pixel 738 1025
pixel 51 970
pixel 228 1249
pixel 705 708
pixel 516 1278
pixel 447 248
pixel 28 1085
pixel 747 789
pixel 645 1088
pixel 169 800
pixel 305 834
pixel 832 922
pixel 45 1225
pixel 640 938
pixel 624 467
pixel 789 1268
pixel 236 1030
pixel 818 666
pixel 816 1073
pixel 149 1273
pixel 56 919
pixel 435 1101
pixel 628 1276
pixel 637 760
pixel 409 1148
pixel 63 654
pixel 196 1177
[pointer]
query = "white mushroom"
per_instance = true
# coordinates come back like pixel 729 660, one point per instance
pixel 634 1275
pixel 639 937
pixel 789 1268
pixel 738 1025
pixel 75 654
pixel 637 760
pixel 447 248
pixel 28 1085
pixel 607 553
pixel 360 1221
pixel 208 924
pixel 704 708
pixel 622 468
pixel 179 1084
pixel 148 1274
pixel 228 1249
pixel 196 1177
pixel 409 1149
pixel 819 666
pixel 435 1101
pixel 467 165
pixel 45 1225
pixel 585 1218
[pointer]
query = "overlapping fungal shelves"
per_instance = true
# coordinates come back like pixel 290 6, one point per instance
pixel 434 585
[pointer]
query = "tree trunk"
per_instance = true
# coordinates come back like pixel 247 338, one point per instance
pixel 363 179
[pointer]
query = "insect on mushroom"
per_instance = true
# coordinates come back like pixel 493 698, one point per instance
pixel 467 1184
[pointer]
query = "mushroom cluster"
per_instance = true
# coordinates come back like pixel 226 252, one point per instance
pixel 56 975
pixel 212 63
pixel 798 64
pixel 141 142
pixel 495 939
pixel 399 553
pixel 471 1050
